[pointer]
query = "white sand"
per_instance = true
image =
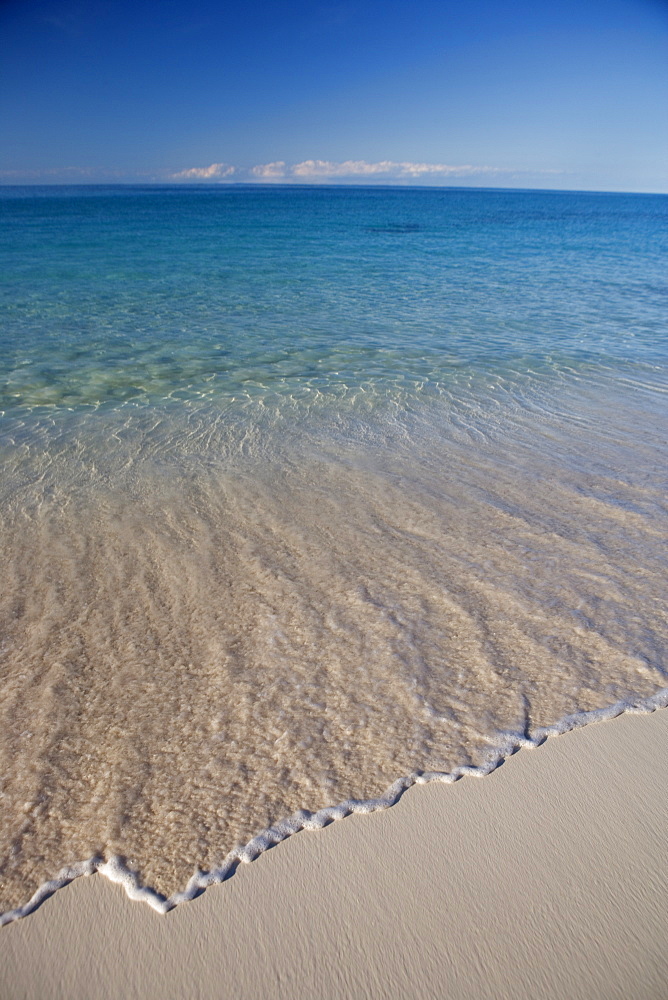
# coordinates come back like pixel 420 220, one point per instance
pixel 546 879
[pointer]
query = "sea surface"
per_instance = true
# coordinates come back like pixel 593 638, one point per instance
pixel 305 490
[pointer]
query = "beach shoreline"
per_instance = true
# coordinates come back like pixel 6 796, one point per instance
pixel 545 878
pixel 275 541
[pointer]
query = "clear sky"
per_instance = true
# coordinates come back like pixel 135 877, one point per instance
pixel 559 94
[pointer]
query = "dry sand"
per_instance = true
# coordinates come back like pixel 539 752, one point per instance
pixel 546 879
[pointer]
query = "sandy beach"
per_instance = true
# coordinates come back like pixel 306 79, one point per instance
pixel 333 511
pixel 544 879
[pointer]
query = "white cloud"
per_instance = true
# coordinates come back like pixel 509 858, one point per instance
pixel 213 172
pixel 275 169
pixel 420 169
pixel 322 170
pixel 390 168
pixel 349 168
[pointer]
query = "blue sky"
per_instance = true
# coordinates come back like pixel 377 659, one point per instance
pixel 479 92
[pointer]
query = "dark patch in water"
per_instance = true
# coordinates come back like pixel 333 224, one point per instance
pixel 396 228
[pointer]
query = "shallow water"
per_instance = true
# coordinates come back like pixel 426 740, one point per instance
pixel 308 489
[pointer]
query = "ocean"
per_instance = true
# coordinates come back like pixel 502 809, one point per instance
pixel 308 491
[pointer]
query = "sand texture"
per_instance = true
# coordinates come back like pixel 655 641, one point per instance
pixel 545 879
pixel 199 640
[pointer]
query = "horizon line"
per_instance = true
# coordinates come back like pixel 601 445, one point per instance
pixel 315 185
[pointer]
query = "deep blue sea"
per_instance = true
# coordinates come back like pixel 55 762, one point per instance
pixel 307 489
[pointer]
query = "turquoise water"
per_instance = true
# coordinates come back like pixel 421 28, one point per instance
pixel 117 295
pixel 309 489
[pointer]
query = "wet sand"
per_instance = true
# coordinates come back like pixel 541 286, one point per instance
pixel 544 879
pixel 198 641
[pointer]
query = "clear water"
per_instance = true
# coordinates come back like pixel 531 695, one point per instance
pixel 307 489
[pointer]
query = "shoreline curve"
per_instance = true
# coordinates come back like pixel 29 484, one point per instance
pixel 115 870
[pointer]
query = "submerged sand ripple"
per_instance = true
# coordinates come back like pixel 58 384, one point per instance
pixel 207 626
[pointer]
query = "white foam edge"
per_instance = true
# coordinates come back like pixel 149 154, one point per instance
pixel 115 869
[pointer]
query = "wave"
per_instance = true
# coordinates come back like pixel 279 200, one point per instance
pixel 115 869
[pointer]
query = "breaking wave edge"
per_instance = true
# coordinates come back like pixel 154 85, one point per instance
pixel 115 869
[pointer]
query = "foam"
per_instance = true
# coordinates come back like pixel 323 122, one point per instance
pixel 117 871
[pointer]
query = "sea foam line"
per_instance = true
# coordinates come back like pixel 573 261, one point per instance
pixel 115 869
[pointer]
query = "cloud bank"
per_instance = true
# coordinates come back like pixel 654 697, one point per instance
pixel 278 171
pixel 318 170
pixel 314 170
pixel 389 168
pixel 216 171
